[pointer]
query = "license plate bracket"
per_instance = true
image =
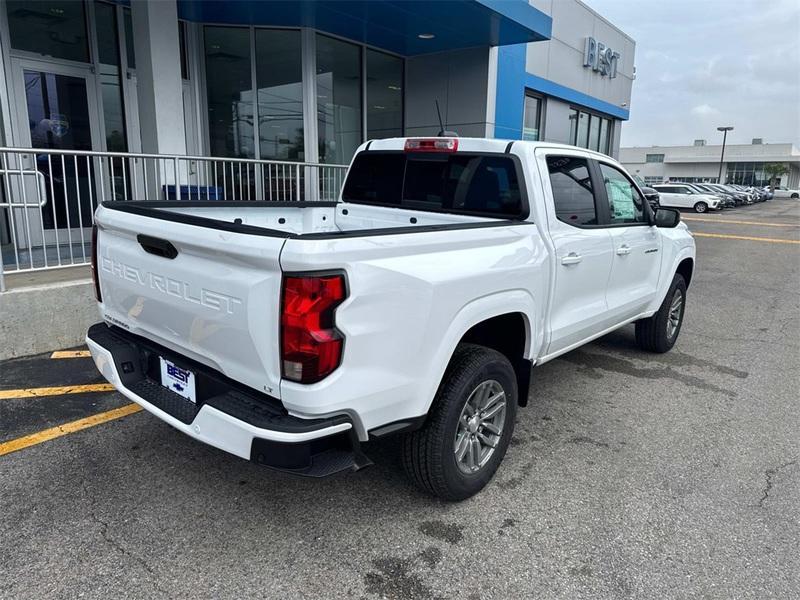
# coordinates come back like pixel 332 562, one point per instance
pixel 177 379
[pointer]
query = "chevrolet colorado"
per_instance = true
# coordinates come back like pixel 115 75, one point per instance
pixel 418 304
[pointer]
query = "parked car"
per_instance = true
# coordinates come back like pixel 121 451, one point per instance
pixel 290 333
pixel 649 193
pixel 726 200
pixel 680 195
pixel 731 199
pixel 740 195
pixel 784 192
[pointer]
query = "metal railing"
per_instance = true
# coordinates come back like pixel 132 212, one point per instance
pixel 48 197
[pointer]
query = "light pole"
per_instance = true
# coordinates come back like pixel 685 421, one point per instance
pixel 725 131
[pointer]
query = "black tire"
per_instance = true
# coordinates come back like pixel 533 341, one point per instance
pixel 701 207
pixel 429 453
pixel 652 334
pixel 795 196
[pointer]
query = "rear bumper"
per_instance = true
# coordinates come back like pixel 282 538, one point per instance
pixel 227 415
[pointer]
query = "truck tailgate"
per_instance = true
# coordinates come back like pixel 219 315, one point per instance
pixel 215 298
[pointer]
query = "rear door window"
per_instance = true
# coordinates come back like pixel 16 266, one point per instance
pixel 479 184
pixel 573 194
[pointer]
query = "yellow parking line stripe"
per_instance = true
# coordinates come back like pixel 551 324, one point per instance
pixel 67 428
pixel 55 391
pixel 737 222
pixel 744 237
pixel 71 354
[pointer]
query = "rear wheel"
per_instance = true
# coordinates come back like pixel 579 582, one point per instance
pixel 659 332
pixel 700 207
pixel 458 450
pixel 795 196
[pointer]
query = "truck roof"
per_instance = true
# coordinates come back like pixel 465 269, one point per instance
pixel 473 144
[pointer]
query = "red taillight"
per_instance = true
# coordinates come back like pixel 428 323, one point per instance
pixel 431 145
pixel 95 275
pixel 311 346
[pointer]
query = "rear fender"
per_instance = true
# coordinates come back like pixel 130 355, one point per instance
pixel 477 311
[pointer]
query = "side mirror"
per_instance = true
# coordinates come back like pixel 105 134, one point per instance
pixel 667 218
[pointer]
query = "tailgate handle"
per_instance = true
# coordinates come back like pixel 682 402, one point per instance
pixel 157 246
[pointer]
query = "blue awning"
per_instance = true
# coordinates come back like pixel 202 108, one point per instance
pixel 394 25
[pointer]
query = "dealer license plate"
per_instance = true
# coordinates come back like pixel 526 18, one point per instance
pixel 177 379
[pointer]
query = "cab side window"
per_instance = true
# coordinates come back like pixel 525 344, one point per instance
pixel 573 194
pixel 625 203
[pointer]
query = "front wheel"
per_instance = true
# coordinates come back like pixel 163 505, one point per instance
pixel 700 207
pixel 458 450
pixel 795 196
pixel 659 332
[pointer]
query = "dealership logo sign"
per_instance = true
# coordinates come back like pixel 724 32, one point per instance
pixel 600 58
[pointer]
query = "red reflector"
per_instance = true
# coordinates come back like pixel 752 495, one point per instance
pixel 95 275
pixel 311 346
pixel 431 145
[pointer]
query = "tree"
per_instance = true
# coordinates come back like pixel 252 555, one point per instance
pixel 774 171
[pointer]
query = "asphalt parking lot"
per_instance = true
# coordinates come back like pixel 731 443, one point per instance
pixel 629 474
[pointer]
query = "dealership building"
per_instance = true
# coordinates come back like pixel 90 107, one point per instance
pixel 701 163
pixel 245 100
pixel 306 81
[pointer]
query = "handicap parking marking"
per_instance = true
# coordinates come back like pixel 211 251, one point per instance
pixel 71 354
pixel 745 237
pixel 67 428
pixel 55 391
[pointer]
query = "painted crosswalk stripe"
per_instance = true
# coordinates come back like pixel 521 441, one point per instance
pixel 67 428
pixel 55 391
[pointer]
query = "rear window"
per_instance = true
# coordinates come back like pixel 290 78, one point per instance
pixel 484 184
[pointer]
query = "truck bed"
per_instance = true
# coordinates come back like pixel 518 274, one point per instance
pixel 300 219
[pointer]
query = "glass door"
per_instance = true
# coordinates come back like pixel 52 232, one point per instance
pixel 60 112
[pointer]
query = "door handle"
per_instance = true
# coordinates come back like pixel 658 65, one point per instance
pixel 571 259
pixel 623 250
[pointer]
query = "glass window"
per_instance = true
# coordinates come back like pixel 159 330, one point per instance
pixel 53 28
pixel 384 95
pixel 230 91
pixel 533 110
pixel 472 184
pixel 573 126
pixel 110 82
pixel 279 73
pixel 583 130
pixel 184 53
pixel 594 132
pixel 625 204
pixel 654 158
pixel 338 99
pixel 572 190
pixel 605 125
pixel 127 21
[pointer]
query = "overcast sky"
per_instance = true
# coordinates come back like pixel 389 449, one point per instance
pixel 705 63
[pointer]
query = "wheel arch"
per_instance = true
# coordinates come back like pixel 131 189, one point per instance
pixel 507 334
pixel 686 269
pixel 502 311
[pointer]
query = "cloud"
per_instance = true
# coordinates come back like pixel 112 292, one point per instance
pixel 704 110
pixel 700 65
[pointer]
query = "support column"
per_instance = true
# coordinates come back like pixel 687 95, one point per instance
pixel 158 74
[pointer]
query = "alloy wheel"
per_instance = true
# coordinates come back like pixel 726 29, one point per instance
pixel 675 314
pixel 480 426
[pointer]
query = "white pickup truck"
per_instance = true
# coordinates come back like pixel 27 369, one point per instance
pixel 290 333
